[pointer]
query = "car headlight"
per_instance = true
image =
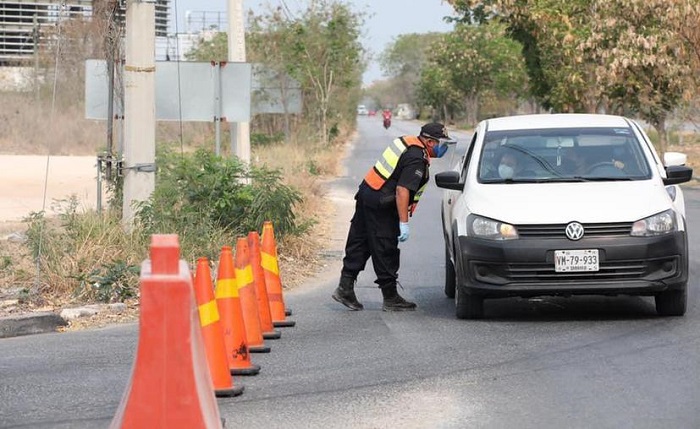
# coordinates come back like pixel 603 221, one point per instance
pixel 661 223
pixel 490 229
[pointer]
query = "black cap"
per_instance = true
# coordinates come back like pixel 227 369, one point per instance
pixel 434 130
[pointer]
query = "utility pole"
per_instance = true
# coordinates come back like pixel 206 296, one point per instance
pixel 139 107
pixel 35 37
pixel 240 131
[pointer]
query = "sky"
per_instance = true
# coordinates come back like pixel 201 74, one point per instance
pixel 385 19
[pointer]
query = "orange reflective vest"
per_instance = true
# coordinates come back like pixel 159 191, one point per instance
pixel 377 176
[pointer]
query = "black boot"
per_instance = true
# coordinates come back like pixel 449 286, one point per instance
pixel 395 302
pixel 345 294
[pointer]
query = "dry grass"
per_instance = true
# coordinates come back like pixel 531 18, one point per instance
pixel 31 128
pixel 304 166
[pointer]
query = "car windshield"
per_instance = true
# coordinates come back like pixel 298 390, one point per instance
pixel 562 155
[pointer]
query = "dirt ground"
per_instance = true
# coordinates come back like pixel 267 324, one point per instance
pixel 32 183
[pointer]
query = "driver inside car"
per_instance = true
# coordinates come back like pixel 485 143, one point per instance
pixel 574 162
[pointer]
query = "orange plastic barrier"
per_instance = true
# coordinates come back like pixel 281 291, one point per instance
pixel 272 277
pixel 229 304
pixel 268 330
pixel 212 332
pixel 249 300
pixel 170 385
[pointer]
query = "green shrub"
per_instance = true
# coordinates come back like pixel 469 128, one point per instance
pixel 113 282
pixel 203 196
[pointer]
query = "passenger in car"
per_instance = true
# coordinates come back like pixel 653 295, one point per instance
pixel 508 165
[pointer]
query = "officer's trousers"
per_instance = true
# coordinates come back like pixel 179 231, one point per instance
pixel 373 233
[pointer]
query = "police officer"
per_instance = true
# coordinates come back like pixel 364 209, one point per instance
pixel 386 198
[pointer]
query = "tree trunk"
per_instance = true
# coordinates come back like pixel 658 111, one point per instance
pixel 660 126
pixel 472 105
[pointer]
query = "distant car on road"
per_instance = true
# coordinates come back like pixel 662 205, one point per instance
pixel 372 112
pixel 362 110
pixel 564 204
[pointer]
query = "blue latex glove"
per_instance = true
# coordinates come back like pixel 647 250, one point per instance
pixel 403 227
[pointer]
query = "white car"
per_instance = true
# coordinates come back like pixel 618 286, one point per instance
pixel 362 110
pixel 564 204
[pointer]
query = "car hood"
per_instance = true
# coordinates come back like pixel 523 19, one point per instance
pixel 592 202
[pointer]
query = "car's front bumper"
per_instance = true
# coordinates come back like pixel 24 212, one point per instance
pixel 525 267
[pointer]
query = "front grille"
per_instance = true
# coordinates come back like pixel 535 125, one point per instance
pixel 590 230
pixel 545 272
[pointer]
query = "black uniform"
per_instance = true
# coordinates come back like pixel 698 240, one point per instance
pixel 374 229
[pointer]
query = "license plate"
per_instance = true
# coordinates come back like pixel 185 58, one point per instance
pixel 575 260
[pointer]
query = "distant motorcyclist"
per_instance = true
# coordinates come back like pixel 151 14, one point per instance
pixel 386 114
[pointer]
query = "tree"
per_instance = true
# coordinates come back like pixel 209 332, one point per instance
pixel 327 54
pixel 268 43
pixel 478 60
pixel 211 47
pixel 435 89
pixel 591 55
pixel 403 61
pixel 318 47
pixel 643 66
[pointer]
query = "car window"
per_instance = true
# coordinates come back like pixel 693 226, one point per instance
pixel 564 154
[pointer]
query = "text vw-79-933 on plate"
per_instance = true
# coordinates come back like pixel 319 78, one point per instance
pixel 576 260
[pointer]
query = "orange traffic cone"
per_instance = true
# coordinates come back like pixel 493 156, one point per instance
pixel 249 301
pixel 212 332
pixel 229 305
pixel 272 277
pixel 169 343
pixel 268 330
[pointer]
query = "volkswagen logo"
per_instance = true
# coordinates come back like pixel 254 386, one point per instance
pixel 574 231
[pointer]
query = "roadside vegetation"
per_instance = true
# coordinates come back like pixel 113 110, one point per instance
pixel 209 200
pixel 638 58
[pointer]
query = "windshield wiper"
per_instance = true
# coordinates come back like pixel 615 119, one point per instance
pixel 607 179
pixel 568 179
pixel 524 181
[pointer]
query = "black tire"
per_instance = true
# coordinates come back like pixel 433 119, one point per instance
pixel 672 303
pixel 468 306
pixel 450 275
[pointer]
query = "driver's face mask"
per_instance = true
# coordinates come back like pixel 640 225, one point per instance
pixel 505 171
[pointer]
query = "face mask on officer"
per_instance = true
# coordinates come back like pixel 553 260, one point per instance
pixel 436 139
pixel 437 149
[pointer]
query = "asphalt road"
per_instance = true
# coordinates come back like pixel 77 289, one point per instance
pixel 584 362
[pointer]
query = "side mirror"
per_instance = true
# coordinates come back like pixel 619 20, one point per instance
pixel 675 174
pixel 449 180
pixel 675 158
